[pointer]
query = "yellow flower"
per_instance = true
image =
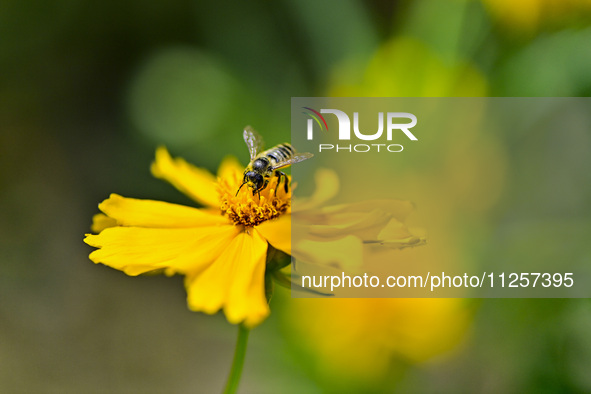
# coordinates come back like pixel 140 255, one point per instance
pixel 529 16
pixel 361 345
pixel 407 67
pixel 221 249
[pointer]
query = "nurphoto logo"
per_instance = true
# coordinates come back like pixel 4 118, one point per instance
pixel 394 125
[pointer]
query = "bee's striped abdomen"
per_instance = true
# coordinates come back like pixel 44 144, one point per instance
pixel 280 153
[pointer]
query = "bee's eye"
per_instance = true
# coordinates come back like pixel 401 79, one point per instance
pixel 258 179
pixel 255 178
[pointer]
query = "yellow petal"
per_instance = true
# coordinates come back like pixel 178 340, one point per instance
pixel 234 282
pixel 363 219
pixel 399 209
pixel 327 186
pixel 230 168
pixel 277 232
pixel 364 225
pixel 345 253
pixel 396 235
pixel 210 244
pixel 159 214
pixel 197 183
pixel 136 250
pixel 100 221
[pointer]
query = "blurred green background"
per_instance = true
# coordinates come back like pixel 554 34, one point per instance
pixel 89 89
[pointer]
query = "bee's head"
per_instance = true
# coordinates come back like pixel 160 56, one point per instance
pixel 254 180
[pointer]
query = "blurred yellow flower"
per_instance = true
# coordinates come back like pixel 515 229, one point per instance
pixel 527 16
pixel 406 67
pixel 362 341
pixel 221 249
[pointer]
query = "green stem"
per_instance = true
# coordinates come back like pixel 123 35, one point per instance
pixel 238 362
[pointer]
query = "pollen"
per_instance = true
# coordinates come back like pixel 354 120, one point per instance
pixel 249 209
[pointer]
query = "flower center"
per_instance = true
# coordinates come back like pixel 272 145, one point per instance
pixel 251 210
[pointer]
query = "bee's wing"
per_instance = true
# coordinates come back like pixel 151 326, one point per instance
pixel 296 158
pixel 253 140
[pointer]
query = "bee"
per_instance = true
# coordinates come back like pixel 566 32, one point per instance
pixel 264 165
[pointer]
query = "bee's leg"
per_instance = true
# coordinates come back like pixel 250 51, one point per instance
pixel 264 184
pixel 280 175
pixel 258 191
pixel 286 184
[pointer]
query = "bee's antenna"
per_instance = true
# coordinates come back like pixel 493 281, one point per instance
pixel 240 188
